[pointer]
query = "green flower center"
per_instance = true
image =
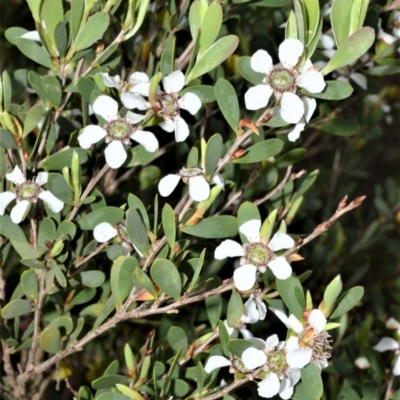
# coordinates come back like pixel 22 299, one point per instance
pixel 282 80
pixel 169 104
pixel 119 129
pixel 276 361
pixel 189 172
pixel 28 190
pixel 258 254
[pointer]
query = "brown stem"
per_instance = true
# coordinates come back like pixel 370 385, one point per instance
pixel 97 250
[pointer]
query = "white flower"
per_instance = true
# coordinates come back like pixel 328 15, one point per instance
pixel 27 192
pixel 215 362
pixel 309 107
pixel 256 255
pixel 386 344
pixel 117 132
pixel 393 324
pixel 282 80
pixel 254 310
pixel 199 188
pixel 234 332
pixel 362 363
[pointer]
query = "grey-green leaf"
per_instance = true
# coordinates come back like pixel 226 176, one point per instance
pixel 16 308
pixel 228 102
pixel 166 276
pixel 347 301
pixel 50 339
pixel 35 52
pixel 261 151
pixel 169 226
pixel 218 227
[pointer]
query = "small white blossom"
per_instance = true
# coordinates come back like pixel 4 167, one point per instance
pixel 390 344
pixel 254 310
pixel 309 107
pixel 117 132
pixel 256 255
pixel 27 192
pixel 215 362
pixel 362 363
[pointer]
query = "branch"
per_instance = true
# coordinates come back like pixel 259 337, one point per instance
pixel 227 389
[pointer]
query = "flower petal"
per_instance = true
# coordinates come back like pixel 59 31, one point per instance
pixel 90 135
pixel 55 204
pixel 106 107
pixel 360 79
pixel 285 389
pixel 261 61
pixel 280 241
pixel 115 154
pixel 309 107
pixel 139 77
pixel 103 232
pixel 251 229
pixel 312 80
pixel 41 178
pixel 174 83
pixel 167 184
pixel 292 343
pixel 110 81
pixel 245 277
pixel 292 108
pixel 141 88
pixel 5 199
pixel 257 97
pixel 134 118
pixel 16 176
pixel 280 267
pixel 246 333
pixel 215 362
pixel 228 248
pixel 32 35
pixel 290 51
pixel 181 129
pixel 269 386
pixel 253 358
pixel 132 100
pixel 280 314
pixel 362 363
pixel 396 366
pixel 386 343
pixel 190 102
pixel 199 189
pixel 168 125
pixel 146 139
pixel 271 342
pixel 295 133
pixel 317 320
pixel 19 210
pixel 294 324
pixel 392 323
pixel 250 312
pixel 299 358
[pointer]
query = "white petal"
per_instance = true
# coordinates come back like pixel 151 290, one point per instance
pixel 280 314
pixel 385 344
pixel 292 108
pixel 262 309
pixel 167 184
pixel 299 358
pixel 131 100
pixel 106 107
pixel 16 176
pixel 146 139
pixel 327 41
pixel 104 232
pixel 228 248
pixel 312 80
pixel 181 129
pixel 253 358
pixel 396 367
pixel 290 51
pixel 392 323
pixel 295 133
pixel 139 77
pixel 246 333
pixel 261 61
pixel 257 97
pixel 141 88
pixel 174 83
pixel 199 189
pixel 309 107
pixel 280 267
pixel 360 79
pixel 285 389
pixel 294 324
pixel 294 376
pixel 5 199
pixel 32 35
pixel 41 178
pixel 115 154
pixel 19 210
pixel 271 342
pixel 110 81
pixel 251 229
pixel 56 205
pixel 280 241
pixel 245 277
pixel 219 180
pixel 269 386
pixel 292 343
pixel 362 363
pixel 190 102
pixel 317 320
pixel 134 118
pixel 168 125
pixel 250 312
pixel 90 135
pixel 215 362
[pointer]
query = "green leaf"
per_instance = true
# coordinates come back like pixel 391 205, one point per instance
pixel 92 31
pixel 52 90
pixel 224 338
pixel 61 38
pixel 167 62
pixel 291 27
pixel 169 224
pixel 35 52
pixel 64 322
pixel 7 140
pixel 77 8
pixel 59 187
pixel 238 346
pixel 91 278
pixel 52 14
pixel 16 308
pixel 347 301
pixel 166 276
pixel 47 233
pixel 228 102
pixel 311 378
pixel 34 5
pixel 291 157
pixel 195 16
pixel 210 26
pixel 261 152
pixel 383 70
pixel 214 309
pixel 268 3
pixel 142 281
pixel 59 160
pixel 50 340
pixel 197 271
pixel 340 127
pixel 112 215
pixel 7 90
pixel 29 284
pixel 334 90
pixel 351 49
pixel 137 231
pixel 235 309
pixel 218 227
pixel 313 16
pixel 109 381
pixel 212 154
pixel 139 18
pixel 358 13
pixel 138 155
pixel 205 93
pixel 299 10
pixel 121 278
pixel 248 73
pixel 177 338
pixel 17 237
pixel 136 203
pixel 214 56
pixel 292 294
pixel 340 20
pixel 35 114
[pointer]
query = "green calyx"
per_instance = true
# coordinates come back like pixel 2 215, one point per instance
pixel 258 254
pixel 119 130
pixel 282 80
pixel 276 361
pixel 28 191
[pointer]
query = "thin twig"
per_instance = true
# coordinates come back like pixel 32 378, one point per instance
pixel 228 389
pixel 7 366
pixel 184 58
pixel 97 250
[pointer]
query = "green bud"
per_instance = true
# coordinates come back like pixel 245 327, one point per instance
pixel 130 361
pixel 268 225
pixel 332 292
pixel 309 304
pixel 293 210
pixel 65 172
pixel 76 175
pixel 57 248
pixel 132 394
pixel 155 80
pixel 203 146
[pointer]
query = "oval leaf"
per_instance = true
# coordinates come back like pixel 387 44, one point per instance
pixel 168 222
pixel 50 339
pixel 16 308
pixel 349 300
pixel 228 102
pixel 166 276
pixel 261 151
pixel 219 227
pixel 112 215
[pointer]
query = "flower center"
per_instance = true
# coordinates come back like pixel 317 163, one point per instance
pixel 119 129
pixel 321 347
pixel 257 254
pixel 276 361
pixel 189 172
pixel 28 191
pixel 169 104
pixel 282 80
